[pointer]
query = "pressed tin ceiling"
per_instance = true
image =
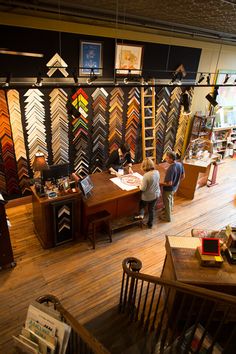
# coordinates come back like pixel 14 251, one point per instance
pixel 212 19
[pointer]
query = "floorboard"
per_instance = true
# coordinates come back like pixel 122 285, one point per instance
pixel 88 281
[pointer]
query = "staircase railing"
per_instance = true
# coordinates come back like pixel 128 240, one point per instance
pixel 81 341
pixel 179 317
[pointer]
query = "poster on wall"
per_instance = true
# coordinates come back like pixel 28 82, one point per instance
pixel 128 59
pixel 90 58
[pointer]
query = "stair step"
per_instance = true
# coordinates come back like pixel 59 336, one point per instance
pixel 146 128
pixel 118 334
pixel 150 138
pixel 148 106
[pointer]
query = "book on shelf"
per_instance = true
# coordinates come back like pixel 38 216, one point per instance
pixel 198 340
pixel 43 328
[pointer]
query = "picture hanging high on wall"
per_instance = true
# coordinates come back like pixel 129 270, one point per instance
pixel 90 58
pixel 128 59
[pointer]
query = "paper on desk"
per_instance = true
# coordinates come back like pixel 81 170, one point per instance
pixel 123 186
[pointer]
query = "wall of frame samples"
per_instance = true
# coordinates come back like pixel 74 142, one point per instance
pixel 80 125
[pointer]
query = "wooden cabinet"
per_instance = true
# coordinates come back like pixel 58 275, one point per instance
pixel 56 220
pixel 6 253
pixel 202 126
pixel 224 141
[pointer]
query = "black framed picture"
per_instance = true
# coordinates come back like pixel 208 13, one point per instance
pixel 90 58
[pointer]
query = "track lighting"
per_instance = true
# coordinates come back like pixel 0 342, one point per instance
pixel 8 80
pixel 75 77
pixel 213 102
pixel 201 78
pixel 91 78
pixel 39 81
pixel 185 101
pixel 208 79
pixel 178 75
pixel 227 77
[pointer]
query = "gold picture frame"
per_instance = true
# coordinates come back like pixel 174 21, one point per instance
pixel 128 59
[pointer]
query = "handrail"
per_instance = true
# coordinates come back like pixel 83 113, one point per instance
pixel 176 314
pixel 131 267
pixel 84 336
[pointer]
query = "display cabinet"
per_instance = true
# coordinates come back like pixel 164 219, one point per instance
pixel 224 141
pixel 202 126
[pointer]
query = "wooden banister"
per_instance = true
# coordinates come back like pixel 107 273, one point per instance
pixel 174 313
pixel 81 340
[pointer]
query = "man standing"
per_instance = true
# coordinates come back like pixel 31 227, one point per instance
pixel 175 173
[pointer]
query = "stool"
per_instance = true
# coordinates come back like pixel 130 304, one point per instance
pixel 94 220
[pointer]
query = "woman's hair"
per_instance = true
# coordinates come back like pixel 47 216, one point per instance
pixel 125 148
pixel 148 165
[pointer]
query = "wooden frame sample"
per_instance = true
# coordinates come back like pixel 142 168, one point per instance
pixel 128 59
pixel 90 58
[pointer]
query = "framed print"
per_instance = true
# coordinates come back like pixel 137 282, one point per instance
pixel 90 58
pixel 128 59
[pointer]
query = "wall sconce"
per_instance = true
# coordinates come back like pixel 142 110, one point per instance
pixel 39 164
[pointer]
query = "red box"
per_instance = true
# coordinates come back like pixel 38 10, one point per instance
pixel 210 246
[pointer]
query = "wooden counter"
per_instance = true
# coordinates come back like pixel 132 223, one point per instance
pixel 182 264
pixel 106 195
pixel 56 220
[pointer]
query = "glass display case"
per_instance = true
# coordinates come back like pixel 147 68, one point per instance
pixel 199 149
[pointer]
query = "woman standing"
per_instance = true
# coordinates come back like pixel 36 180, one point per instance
pixel 150 188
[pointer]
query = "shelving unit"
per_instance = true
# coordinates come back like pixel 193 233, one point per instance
pixel 224 141
pixel 202 127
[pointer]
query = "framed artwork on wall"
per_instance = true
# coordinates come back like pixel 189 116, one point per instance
pixel 128 59
pixel 90 58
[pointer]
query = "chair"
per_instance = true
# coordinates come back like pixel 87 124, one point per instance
pixel 97 219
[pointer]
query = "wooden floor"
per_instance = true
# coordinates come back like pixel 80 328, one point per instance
pixel 88 281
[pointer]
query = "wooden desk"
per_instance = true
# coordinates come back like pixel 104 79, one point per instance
pixel 106 195
pixel 182 264
pixel 56 220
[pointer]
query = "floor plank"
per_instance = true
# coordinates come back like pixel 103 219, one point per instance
pixel 88 281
